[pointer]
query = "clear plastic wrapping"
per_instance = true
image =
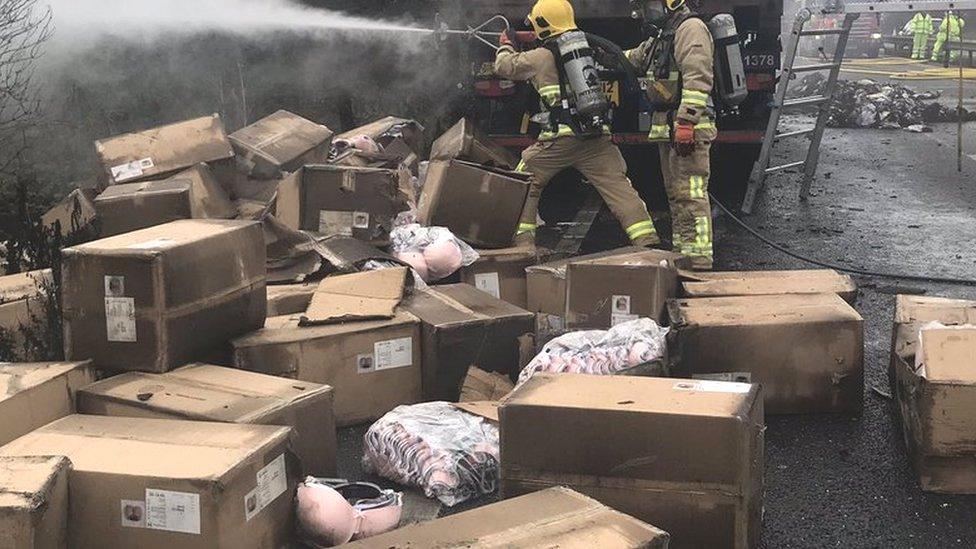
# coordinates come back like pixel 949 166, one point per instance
pixel 433 252
pixel 622 349
pixel 452 455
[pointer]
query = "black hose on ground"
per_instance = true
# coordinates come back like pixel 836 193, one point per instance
pixel 835 266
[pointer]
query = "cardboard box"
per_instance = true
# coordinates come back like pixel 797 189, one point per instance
pixel 133 206
pixel 280 142
pixel 161 297
pixel 684 455
pixel 23 300
pixel 807 351
pixel 374 366
pixel 369 295
pixel 557 517
pixel 205 392
pixel 35 394
pixel 465 141
pixel 163 151
pixel 546 283
pixel 818 281
pixel 604 292
pixel 208 199
pixel 73 213
pixel 161 483
pixel 337 200
pixel 464 327
pixel 290 299
pixel 501 273
pixel 388 130
pixel 34 502
pixel 935 400
pixel 481 206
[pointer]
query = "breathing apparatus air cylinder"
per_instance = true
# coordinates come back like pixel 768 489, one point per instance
pixel 588 103
pixel 730 74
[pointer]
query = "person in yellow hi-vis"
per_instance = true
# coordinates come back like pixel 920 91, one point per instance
pixel 922 28
pixel 678 64
pixel 559 146
pixel 949 31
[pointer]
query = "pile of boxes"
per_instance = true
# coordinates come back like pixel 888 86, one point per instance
pixel 232 317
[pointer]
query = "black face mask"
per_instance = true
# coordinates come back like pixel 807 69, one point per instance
pixel 655 15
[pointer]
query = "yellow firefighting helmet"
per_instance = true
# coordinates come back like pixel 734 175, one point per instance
pixel 553 17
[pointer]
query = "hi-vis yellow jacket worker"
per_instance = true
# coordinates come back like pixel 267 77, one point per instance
pixel 560 146
pixel 679 67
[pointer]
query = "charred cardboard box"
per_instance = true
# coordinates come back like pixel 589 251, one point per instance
pixel 807 351
pixel 464 141
pixel 34 502
pixel 204 392
pixel 480 205
pixel 704 481
pixel 557 517
pixel 934 372
pixel 501 273
pixel 289 299
pixel 726 284
pixel 604 292
pixel 35 394
pixel 73 213
pixel 280 142
pixel 546 282
pixel 163 151
pixel 463 327
pixel 161 483
pixel 389 130
pixel 374 366
pixel 336 200
pixel 158 298
pixel 23 300
pixel 192 193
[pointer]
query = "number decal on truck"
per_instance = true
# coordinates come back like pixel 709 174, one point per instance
pixel 760 61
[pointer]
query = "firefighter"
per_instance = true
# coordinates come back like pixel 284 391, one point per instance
pixel 949 31
pixel 558 147
pixel 922 27
pixel 678 63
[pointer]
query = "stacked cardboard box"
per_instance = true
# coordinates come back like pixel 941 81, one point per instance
pixel 374 365
pixel 463 327
pixel 501 273
pixel 684 455
pixel 159 152
pixel 156 483
pixel 34 502
pixel 35 394
pixel 280 143
pixel 335 200
pixel 934 375
pixel 480 205
pixel 155 299
pixel 822 281
pixel 205 392
pixel 557 517
pixel 464 141
pixel 807 351
pixel 73 213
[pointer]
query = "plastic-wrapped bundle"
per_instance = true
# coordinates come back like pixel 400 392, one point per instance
pixel 619 350
pixel 452 455
pixel 433 252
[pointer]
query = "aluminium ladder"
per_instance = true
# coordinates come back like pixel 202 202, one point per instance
pixel 851 11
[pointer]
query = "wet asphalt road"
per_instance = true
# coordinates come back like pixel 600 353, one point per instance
pixel 883 201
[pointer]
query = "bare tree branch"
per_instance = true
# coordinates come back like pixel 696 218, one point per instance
pixel 25 25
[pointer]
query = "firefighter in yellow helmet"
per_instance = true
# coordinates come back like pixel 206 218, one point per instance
pixel 562 144
pixel 678 65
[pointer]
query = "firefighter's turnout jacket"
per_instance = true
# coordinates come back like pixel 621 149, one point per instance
pixel 597 158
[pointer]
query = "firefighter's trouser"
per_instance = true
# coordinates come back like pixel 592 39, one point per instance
pixel 686 182
pixel 940 42
pixel 601 163
pixel 920 47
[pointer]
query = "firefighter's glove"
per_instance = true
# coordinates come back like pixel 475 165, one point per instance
pixel 684 139
pixel 506 39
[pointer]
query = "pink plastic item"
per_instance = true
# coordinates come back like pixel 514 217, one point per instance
pixel 443 259
pixel 333 514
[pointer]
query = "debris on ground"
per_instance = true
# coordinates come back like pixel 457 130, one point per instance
pixel 869 104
